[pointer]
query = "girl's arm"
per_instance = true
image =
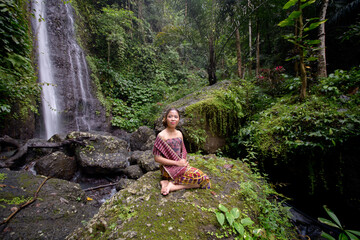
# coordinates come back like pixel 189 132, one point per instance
pixel 165 161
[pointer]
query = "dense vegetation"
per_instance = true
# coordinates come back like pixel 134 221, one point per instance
pixel 18 88
pixel 146 54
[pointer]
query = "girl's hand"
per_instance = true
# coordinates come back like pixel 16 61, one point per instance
pixel 182 163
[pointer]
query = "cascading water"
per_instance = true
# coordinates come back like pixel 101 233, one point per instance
pixel 49 106
pixel 67 103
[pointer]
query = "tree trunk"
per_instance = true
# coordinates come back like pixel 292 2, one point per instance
pixel 22 150
pixel 257 49
pixel 250 49
pixel 140 16
pixel 250 40
pixel 296 49
pixel 212 57
pixel 322 52
pixel 108 53
pixel 238 54
pixel 301 52
pixel 212 61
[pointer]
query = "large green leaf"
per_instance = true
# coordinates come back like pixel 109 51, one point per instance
pixel 342 236
pixel 328 222
pixel 235 212
pixel 230 218
pixel 307 4
pixel 223 208
pixel 289 21
pixel 354 232
pixel 220 217
pixel 239 228
pixel 289 4
pixel 333 216
pixel 327 236
pixel 351 235
pixel 314 25
pixel 247 222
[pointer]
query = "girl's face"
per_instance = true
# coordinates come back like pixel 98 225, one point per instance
pixel 172 119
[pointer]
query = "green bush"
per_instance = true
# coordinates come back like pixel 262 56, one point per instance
pixel 322 121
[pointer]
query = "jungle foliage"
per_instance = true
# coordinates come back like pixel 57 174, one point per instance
pixel 18 88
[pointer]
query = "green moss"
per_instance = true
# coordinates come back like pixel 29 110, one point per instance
pixel 140 209
pixel 16 200
pixel 219 113
pixel 3 176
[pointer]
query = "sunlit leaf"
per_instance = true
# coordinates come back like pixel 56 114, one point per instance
pixel 307 4
pixel 247 222
pixel 289 4
pixel 229 218
pixel 328 222
pixel 235 212
pixel 223 208
pixel 314 25
pixel 239 228
pixel 220 217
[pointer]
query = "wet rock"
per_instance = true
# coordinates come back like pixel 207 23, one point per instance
pixel 61 207
pixel 36 153
pixel 102 154
pixel 145 159
pixel 143 139
pixel 123 183
pixel 57 165
pixel 134 171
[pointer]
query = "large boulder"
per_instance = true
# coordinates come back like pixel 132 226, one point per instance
pixel 60 208
pixel 139 211
pixel 57 165
pixel 142 139
pixel 145 159
pixel 209 116
pixel 102 153
pixel 134 171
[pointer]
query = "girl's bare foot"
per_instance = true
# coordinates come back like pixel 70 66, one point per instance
pixel 164 184
pixel 169 188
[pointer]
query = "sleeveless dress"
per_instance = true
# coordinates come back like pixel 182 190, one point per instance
pixel 191 175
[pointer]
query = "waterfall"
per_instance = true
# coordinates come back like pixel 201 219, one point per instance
pixel 78 79
pixel 68 103
pixel 49 105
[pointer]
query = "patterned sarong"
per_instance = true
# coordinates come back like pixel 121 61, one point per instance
pixel 173 149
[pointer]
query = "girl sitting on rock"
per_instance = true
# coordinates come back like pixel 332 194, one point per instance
pixel 169 150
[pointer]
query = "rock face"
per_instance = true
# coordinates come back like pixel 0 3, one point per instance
pixel 102 154
pixel 76 102
pixel 142 139
pixel 60 208
pixel 139 211
pixel 57 165
pixel 205 118
pixel 145 159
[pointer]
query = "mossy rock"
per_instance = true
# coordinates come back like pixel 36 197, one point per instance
pixel 209 116
pixel 59 209
pixel 140 212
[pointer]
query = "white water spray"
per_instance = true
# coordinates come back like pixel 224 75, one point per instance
pixel 49 104
pixel 78 79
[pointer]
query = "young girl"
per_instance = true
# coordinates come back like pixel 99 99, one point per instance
pixel 169 150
